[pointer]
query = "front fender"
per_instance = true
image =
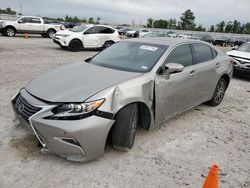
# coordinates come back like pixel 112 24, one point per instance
pixel 140 89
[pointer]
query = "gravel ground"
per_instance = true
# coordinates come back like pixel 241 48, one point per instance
pixel 177 154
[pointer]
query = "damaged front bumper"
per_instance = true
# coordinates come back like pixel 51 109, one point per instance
pixel 75 140
pixel 241 68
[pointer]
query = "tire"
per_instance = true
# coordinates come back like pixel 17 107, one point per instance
pixel 44 35
pixel 107 44
pixel 75 45
pixel 10 32
pixel 218 93
pixel 50 33
pixel 124 129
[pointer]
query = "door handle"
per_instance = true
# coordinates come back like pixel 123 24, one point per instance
pixel 217 65
pixel 192 73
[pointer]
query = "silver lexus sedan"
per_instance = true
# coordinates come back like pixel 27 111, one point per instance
pixel 134 83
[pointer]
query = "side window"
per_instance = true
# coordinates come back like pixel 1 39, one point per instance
pixel 202 53
pixel 181 54
pixel 24 20
pixel 35 20
pixel 106 30
pixel 92 30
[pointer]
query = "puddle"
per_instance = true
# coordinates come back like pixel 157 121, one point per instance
pixel 26 147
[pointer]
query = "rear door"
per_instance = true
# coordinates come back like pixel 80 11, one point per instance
pixel 205 70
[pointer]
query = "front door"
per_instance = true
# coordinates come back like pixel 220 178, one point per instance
pixel 176 93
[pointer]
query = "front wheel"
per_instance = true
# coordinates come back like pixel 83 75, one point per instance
pixel 75 45
pixel 10 32
pixel 218 93
pixel 124 129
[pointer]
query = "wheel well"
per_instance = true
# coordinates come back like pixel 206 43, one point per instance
pixel 77 40
pixel 144 118
pixel 51 29
pixel 227 78
pixel 109 41
pixel 10 26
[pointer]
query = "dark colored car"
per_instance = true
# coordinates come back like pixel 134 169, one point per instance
pixel 239 41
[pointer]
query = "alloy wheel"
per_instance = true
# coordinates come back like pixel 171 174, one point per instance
pixel 220 91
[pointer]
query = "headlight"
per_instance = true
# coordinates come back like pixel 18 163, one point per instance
pixel 75 110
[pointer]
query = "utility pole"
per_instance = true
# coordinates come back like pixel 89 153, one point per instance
pixel 21 11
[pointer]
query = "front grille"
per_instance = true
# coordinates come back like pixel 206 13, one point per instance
pixel 24 108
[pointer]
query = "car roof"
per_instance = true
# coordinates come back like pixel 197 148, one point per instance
pixel 163 40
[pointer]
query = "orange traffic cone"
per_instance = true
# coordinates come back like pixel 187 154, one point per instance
pixel 26 35
pixel 212 180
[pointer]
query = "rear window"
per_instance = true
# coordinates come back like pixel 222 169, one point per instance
pixel 106 30
pixel 202 53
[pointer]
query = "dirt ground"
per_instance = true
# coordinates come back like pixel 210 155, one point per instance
pixel 178 154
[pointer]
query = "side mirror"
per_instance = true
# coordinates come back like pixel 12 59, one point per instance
pixel 171 68
pixel 234 48
pixel 20 21
pixel 88 59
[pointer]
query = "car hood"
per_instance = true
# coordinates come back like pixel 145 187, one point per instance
pixel 65 32
pixel 76 82
pixel 237 53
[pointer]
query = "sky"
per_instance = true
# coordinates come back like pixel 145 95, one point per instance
pixel 207 12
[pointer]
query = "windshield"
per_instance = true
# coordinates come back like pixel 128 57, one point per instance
pixel 245 47
pixel 130 56
pixel 79 28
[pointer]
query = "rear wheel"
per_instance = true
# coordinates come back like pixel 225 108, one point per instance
pixel 219 92
pixel 107 44
pixel 124 129
pixel 75 45
pixel 50 33
pixel 10 32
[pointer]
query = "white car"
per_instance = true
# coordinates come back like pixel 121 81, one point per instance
pixel 131 33
pixel 183 36
pixel 86 36
pixel 28 24
pixel 141 33
pixel 241 57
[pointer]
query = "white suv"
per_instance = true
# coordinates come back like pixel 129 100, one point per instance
pixel 86 36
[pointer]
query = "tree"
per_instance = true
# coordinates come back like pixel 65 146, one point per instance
pixel 7 11
pixel 220 27
pixel 84 20
pixel 161 24
pixel 229 27
pixel 212 28
pixel 187 20
pixel 200 28
pixel 91 20
pixel 150 22
pixel 98 20
pixel 236 26
pixel 172 24
pixel 247 28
